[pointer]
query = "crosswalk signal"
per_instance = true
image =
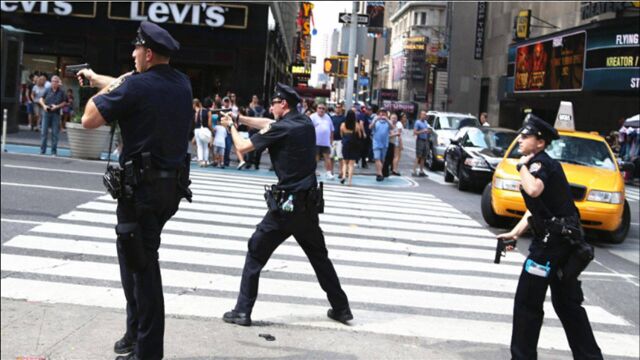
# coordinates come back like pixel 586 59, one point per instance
pixel 331 66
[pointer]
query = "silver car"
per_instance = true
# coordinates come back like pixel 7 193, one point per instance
pixel 445 125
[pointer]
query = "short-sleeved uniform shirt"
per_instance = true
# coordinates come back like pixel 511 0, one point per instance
pixel 154 112
pixel 421 125
pixel 380 133
pixel 292 148
pixel 324 128
pixel 556 199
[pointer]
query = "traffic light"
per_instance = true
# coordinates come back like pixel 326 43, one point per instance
pixel 331 66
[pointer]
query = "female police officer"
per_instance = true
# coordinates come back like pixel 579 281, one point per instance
pixel 548 198
pixel 153 109
pixel 293 203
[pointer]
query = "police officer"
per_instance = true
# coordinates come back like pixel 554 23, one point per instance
pixel 152 106
pixel 548 198
pixel 294 203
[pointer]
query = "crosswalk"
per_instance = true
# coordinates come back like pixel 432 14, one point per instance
pixel 632 194
pixel 411 265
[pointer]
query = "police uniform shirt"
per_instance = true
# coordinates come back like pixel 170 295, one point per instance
pixel 556 198
pixel 154 112
pixel 292 147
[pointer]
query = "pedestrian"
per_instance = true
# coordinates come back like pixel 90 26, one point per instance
pixel 226 104
pixel 255 110
pixel 336 145
pixel 36 94
pixel 396 135
pixel 421 130
pixel 31 116
pixel 202 132
pixel 294 204
pixel 551 214
pixel 67 110
pixel 52 101
pixel 352 135
pixel 387 165
pixel 324 137
pixel 219 144
pixel 365 117
pixel 380 128
pixel 484 119
pixel 155 175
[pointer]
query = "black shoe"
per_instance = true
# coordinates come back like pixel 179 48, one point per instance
pixel 130 356
pixel 342 180
pixel 234 317
pixel 340 316
pixel 379 177
pixel 124 345
pixel 395 173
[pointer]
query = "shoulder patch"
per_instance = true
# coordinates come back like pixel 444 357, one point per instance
pixel 535 167
pixel 114 85
pixel 265 129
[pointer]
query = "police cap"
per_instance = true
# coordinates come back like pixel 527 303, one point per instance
pixel 286 92
pixel 156 38
pixel 534 125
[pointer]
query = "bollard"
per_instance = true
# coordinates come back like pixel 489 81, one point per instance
pixel 4 129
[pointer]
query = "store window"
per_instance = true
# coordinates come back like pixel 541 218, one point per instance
pixel 51 65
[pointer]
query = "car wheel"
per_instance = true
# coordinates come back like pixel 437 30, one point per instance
pixel 463 181
pixel 618 235
pixel 448 177
pixel 489 216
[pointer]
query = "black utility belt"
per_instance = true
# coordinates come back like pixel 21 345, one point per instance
pixel 568 228
pixel 288 202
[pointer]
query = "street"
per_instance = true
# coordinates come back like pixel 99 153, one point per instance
pixel 415 261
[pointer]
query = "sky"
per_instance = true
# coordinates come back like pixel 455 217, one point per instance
pixel 325 15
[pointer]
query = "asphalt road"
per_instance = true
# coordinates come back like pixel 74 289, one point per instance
pixel 37 190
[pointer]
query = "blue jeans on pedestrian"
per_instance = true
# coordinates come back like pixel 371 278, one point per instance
pixel 50 120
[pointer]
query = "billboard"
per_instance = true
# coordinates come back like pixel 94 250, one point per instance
pixel 555 64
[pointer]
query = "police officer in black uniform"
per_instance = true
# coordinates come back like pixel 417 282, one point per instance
pixel 294 203
pixel 558 241
pixel 152 106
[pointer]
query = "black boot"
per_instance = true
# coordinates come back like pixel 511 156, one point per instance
pixel 234 317
pixel 124 345
pixel 341 316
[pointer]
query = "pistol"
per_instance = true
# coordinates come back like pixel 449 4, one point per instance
pixel 501 249
pixel 72 71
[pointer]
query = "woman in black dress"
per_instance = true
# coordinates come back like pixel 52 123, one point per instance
pixel 351 132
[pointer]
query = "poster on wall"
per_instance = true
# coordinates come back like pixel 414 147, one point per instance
pixel 555 64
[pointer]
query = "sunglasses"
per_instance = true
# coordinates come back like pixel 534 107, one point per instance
pixel 276 102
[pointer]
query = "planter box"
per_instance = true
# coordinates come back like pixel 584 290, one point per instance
pixel 87 143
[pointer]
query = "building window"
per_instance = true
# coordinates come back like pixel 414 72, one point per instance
pixel 423 18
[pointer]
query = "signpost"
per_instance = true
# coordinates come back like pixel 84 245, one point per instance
pixel 345 18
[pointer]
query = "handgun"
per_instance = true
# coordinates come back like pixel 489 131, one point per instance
pixel 222 112
pixel 72 71
pixel 501 249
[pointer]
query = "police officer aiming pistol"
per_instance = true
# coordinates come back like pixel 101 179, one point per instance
pixel 152 106
pixel 293 204
pixel 558 252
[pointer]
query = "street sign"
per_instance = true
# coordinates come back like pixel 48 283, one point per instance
pixel 345 18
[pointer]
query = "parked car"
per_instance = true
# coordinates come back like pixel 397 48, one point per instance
pixel 594 177
pixel 445 125
pixel 473 155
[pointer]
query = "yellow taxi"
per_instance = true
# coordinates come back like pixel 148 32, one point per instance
pixel 593 174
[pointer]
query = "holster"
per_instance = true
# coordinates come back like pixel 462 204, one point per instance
pixel 570 230
pixel 131 244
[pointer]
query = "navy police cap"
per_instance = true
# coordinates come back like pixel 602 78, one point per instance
pixel 286 92
pixel 156 38
pixel 534 125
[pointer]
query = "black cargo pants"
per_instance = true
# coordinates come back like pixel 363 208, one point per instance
pixel 275 228
pixel 566 297
pixel 140 222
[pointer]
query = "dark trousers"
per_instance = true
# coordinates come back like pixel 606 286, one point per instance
pixel 270 233
pixel 145 215
pixel 366 150
pixel 51 120
pixel 254 158
pixel 567 302
pixel 387 166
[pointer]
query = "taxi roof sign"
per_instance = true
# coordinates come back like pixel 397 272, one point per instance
pixel 564 119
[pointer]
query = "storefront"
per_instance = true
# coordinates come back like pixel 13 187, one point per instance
pixel 595 66
pixel 224 46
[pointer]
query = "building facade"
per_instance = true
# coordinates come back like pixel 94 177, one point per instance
pixel 575 51
pixel 240 47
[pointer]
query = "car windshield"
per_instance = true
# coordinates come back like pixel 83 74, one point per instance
pixel 575 150
pixel 498 141
pixel 457 122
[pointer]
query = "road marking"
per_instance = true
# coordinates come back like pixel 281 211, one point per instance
pixel 52 170
pixel 22 221
pixel 51 187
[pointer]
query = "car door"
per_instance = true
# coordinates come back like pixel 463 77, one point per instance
pixel 456 151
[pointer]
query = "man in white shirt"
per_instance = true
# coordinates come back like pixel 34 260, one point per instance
pixel 324 137
pixel 484 119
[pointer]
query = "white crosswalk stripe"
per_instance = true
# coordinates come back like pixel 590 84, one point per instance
pixel 632 194
pixel 406 260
